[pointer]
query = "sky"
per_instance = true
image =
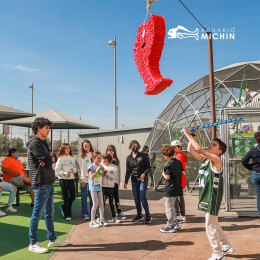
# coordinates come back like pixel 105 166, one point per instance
pixel 61 46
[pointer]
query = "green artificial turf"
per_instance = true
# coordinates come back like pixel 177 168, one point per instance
pixel 14 227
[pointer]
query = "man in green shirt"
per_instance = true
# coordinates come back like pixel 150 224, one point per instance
pixel 211 191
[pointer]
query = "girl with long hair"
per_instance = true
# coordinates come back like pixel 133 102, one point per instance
pixel 65 170
pixel 84 160
pixel 112 151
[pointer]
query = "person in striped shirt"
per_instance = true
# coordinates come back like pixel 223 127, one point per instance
pixel 211 191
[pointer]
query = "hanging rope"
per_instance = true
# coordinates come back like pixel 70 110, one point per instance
pixel 193 16
pixel 148 4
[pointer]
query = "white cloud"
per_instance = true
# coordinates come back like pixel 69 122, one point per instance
pixel 22 68
pixel 68 89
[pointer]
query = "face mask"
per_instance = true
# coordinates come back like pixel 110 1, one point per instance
pixel 135 149
pixel 17 155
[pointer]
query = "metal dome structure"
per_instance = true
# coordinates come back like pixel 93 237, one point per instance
pixel 236 86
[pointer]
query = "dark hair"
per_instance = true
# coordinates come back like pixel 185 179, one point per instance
pixel 107 156
pixel 82 151
pixel 62 150
pixel 257 137
pixel 167 150
pixel 145 148
pixel 40 122
pixel 94 155
pixel 12 150
pixel 112 147
pixel 222 145
pixel 134 142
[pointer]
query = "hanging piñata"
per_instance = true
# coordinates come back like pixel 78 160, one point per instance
pixel 147 53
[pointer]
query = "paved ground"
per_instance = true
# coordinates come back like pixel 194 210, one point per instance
pixel 138 241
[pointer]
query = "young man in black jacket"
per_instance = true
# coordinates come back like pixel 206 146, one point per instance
pixel 40 160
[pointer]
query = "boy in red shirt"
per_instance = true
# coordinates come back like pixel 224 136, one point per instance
pixel 180 203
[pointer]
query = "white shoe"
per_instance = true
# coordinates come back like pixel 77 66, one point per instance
pixel 103 222
pixel 2 213
pixel 227 249
pixel 116 220
pixel 183 218
pixel 37 248
pixel 216 256
pixel 98 220
pixel 177 219
pixel 94 224
pixel 11 209
pixel 68 218
pixel 57 242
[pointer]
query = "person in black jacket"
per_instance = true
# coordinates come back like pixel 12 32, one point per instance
pixel 254 154
pixel 40 160
pixel 138 167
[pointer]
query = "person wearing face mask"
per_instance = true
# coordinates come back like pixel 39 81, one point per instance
pixel 14 173
pixel 138 167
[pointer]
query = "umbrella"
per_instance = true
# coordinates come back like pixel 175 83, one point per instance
pixel 7 113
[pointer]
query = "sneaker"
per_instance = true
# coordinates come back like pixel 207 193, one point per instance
pixel 148 219
pixel 11 209
pixel 103 222
pixel 62 213
pixel 37 248
pixel 183 218
pixel 121 216
pixel 116 220
pixel 85 217
pixel 58 242
pixel 167 230
pixel 94 224
pixel 216 256
pixel 227 249
pixel 176 226
pixel 138 218
pixel 32 205
pixel 177 219
pixel 2 213
pixel 68 218
pixel 98 220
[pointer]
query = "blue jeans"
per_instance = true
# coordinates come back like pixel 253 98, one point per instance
pixel 6 186
pixel 139 192
pixel 256 181
pixel 84 200
pixel 44 201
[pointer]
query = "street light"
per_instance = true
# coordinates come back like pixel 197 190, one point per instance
pixel 113 42
pixel 32 95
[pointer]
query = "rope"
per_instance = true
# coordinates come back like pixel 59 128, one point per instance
pixel 192 15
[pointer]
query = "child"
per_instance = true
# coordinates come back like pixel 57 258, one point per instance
pixel 172 174
pixel 180 203
pixel 84 160
pixel 95 173
pixel 108 182
pixel 112 151
pixel 211 191
pixel 65 169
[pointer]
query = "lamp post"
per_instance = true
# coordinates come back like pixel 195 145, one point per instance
pixel 32 95
pixel 113 42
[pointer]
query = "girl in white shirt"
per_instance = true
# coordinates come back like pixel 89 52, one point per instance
pixel 84 161
pixel 65 170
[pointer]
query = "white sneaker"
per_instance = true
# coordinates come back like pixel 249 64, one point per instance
pixel 85 217
pixel 68 218
pixel 2 213
pixel 11 209
pixel 37 248
pixel 216 256
pixel 57 242
pixel 227 249
pixel 103 222
pixel 177 219
pixel 94 224
pixel 183 218
pixel 116 220
pixel 98 220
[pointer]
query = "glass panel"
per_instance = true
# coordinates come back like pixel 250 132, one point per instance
pixel 168 115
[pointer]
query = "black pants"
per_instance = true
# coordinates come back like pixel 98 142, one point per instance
pixel 68 191
pixel 116 197
pixel 109 193
pixel 179 206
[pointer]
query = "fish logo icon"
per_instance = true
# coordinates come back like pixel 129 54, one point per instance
pixel 181 32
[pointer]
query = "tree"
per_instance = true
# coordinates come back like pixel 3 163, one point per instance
pixel 74 147
pixel 17 143
pixel 4 144
pixel 56 146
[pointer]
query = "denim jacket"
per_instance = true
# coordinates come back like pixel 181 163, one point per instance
pixel 253 154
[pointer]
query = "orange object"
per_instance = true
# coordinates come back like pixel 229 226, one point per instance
pixel 147 53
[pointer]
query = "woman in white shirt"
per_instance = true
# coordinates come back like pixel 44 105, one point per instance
pixel 65 170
